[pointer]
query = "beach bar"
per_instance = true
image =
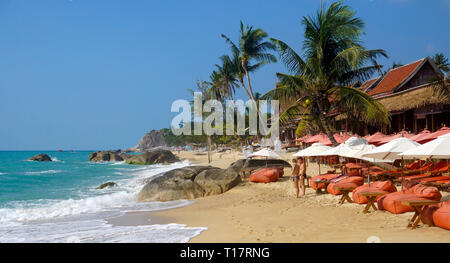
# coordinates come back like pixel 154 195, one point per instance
pixel 408 94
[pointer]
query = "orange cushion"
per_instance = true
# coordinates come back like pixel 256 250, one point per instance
pixel 378 186
pixel 353 181
pixel 427 192
pixel 393 203
pixel 265 175
pixel 441 217
pixel 314 185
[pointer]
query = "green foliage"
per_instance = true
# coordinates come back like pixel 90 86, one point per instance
pixel 251 52
pixel 441 62
pixel 333 58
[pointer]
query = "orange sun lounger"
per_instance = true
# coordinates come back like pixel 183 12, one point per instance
pixel 412 180
pixel 265 175
pixel 385 187
pixel 392 202
pixel 441 217
pixel 315 185
pixel 351 181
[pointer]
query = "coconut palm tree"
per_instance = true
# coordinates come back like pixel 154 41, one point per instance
pixel 441 87
pixel 234 65
pixel 320 81
pixel 441 62
pixel 252 48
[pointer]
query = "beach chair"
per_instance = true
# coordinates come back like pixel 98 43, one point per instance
pixel 392 202
pixel 344 182
pixel 432 175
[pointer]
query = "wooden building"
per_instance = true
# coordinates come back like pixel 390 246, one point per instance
pixel 407 93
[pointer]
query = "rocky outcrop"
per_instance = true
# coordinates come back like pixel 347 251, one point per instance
pixel 152 157
pixel 189 183
pixel 151 140
pixel 42 157
pixel 217 181
pixel 107 156
pixel 107 184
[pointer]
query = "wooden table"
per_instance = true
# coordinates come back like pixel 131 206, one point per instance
pixel 371 196
pixel 419 207
pixel 324 190
pixel 345 191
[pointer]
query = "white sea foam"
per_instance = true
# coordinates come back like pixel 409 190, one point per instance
pixel 124 196
pixel 44 172
pixel 118 163
pixel 2 173
pixel 83 220
pixel 54 159
pixel 96 231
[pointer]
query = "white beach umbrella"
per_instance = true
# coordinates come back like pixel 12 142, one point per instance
pixel 444 136
pixel 346 148
pixel 436 149
pixel 266 152
pixel 391 150
pixel 314 150
pixel 364 149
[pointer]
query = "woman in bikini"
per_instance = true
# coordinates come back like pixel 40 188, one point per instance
pixel 295 175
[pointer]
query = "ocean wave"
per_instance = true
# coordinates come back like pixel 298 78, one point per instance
pixel 97 231
pixel 44 172
pixel 84 220
pixel 124 197
pixel 118 163
pixel 3 173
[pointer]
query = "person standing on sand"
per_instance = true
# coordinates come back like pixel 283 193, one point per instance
pixel 302 174
pixel 295 175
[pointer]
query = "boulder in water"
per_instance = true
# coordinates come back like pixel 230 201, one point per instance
pixel 107 184
pixel 106 156
pixel 42 157
pixel 189 183
pixel 152 157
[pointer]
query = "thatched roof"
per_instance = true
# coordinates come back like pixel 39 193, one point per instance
pixel 411 99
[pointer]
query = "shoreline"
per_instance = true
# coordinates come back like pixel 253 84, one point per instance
pixel 258 213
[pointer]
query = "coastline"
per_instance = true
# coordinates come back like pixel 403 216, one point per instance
pixel 269 213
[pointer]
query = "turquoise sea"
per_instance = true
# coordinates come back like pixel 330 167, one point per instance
pixel 58 201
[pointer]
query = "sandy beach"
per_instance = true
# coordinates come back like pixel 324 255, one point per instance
pixel 270 213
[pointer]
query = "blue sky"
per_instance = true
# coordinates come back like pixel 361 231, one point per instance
pixel 91 74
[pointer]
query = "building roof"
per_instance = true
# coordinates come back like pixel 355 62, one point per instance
pixel 412 99
pixel 365 87
pixel 395 77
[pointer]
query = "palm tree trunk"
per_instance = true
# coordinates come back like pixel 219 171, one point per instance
pixel 243 86
pixel 324 124
pixel 248 81
pixel 209 149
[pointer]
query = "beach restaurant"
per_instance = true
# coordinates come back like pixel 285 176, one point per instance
pixel 407 93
